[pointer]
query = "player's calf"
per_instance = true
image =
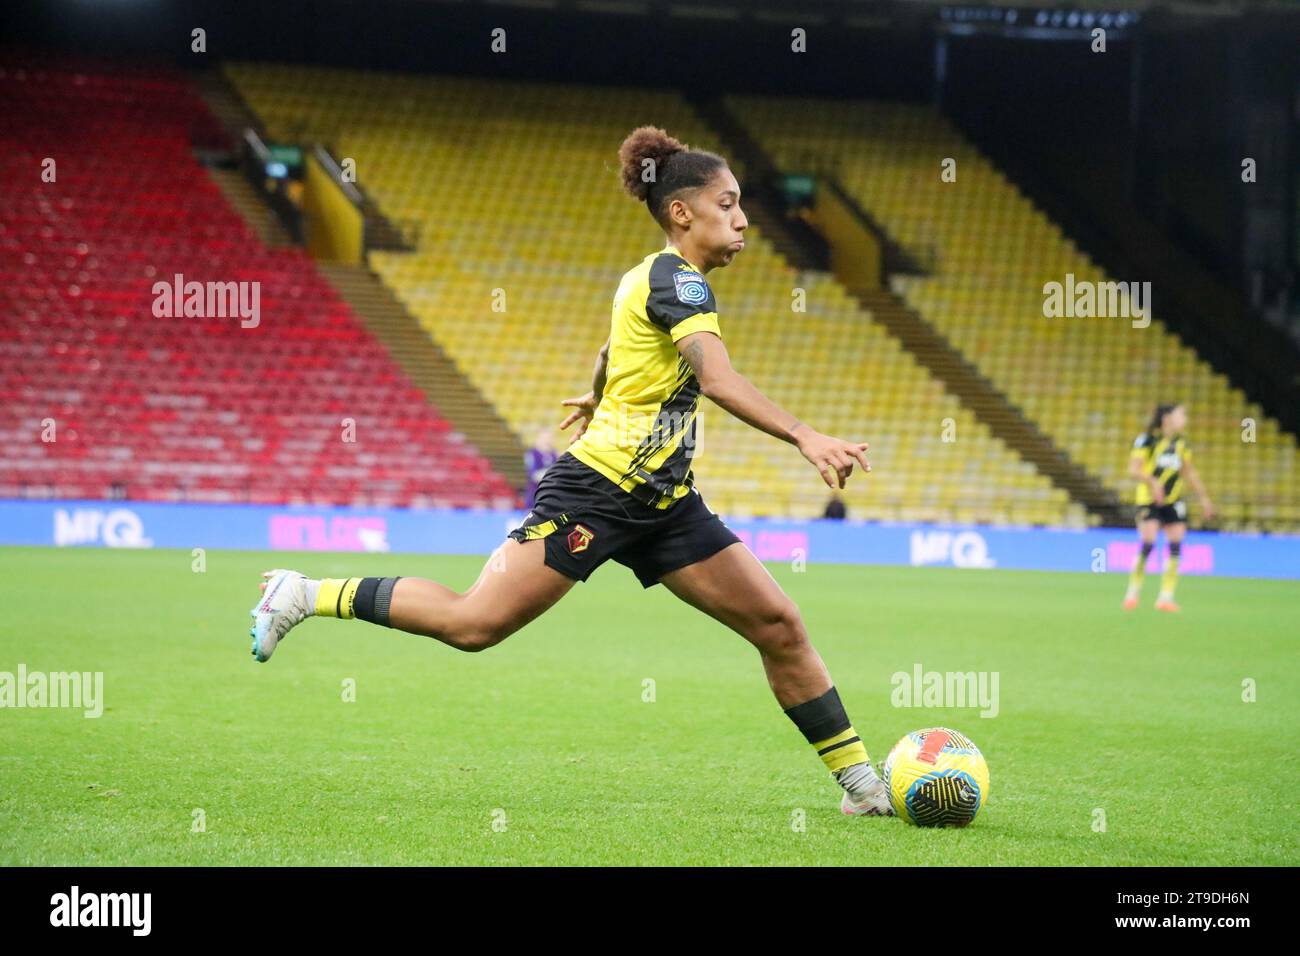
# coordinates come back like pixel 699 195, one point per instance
pixel 468 622
pixel 1136 576
pixel 1169 580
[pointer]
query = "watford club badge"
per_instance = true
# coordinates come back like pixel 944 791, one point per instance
pixel 580 538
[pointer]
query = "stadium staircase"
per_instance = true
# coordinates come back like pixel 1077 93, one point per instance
pixel 514 189
pixel 385 317
pixel 226 106
pixel 796 241
pixel 1236 341
pixel 991 406
pixel 1086 384
pixel 926 344
pixel 251 207
pixel 232 113
pixel 429 367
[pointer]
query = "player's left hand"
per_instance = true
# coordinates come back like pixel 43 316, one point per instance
pixel 833 457
pixel 1207 509
pixel 584 408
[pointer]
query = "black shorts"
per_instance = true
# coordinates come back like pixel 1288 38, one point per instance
pixel 585 519
pixel 1175 513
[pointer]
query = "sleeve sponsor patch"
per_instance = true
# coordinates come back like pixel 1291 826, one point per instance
pixel 691 288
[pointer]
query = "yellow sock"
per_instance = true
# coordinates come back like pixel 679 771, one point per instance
pixel 1139 570
pixel 843 750
pixel 335 597
pixel 1135 577
pixel 1169 580
pixel 825 725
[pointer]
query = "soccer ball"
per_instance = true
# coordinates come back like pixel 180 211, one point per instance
pixel 936 778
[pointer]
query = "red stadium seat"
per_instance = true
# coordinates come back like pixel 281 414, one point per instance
pixel 182 408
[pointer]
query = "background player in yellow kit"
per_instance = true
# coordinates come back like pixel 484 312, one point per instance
pixel 1161 463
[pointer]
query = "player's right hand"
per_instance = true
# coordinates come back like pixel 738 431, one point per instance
pixel 584 408
pixel 1157 493
pixel 833 457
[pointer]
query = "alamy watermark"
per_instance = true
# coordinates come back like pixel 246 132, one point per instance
pixel 646 433
pixel 922 688
pixel 1085 299
pixel 77 690
pixel 75 908
pixel 208 300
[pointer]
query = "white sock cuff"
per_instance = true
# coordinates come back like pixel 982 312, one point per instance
pixel 313 589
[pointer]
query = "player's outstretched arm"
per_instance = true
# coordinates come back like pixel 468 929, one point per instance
pixel 584 406
pixel 707 356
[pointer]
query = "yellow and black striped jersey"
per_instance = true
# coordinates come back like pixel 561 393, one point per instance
pixel 1164 458
pixel 643 435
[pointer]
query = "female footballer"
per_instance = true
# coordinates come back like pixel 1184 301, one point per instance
pixel 625 490
pixel 1159 463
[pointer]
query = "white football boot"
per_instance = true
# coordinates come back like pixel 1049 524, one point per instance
pixel 283 605
pixel 875 802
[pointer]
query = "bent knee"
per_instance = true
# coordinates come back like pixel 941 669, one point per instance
pixel 778 627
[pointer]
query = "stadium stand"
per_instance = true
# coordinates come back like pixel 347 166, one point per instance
pixel 1089 383
pixel 515 190
pixel 103 398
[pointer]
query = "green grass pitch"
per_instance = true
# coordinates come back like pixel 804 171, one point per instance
pixel 543 750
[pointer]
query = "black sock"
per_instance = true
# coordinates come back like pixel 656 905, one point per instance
pixel 825 725
pixel 373 599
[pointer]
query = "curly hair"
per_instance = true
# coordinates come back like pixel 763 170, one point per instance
pixel 671 165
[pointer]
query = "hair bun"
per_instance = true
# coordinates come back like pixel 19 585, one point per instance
pixel 642 144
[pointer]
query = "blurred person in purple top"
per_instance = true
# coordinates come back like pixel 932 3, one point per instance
pixel 536 460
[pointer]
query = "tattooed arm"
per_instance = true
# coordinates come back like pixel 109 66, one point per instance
pixel 598 374
pixel 707 357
